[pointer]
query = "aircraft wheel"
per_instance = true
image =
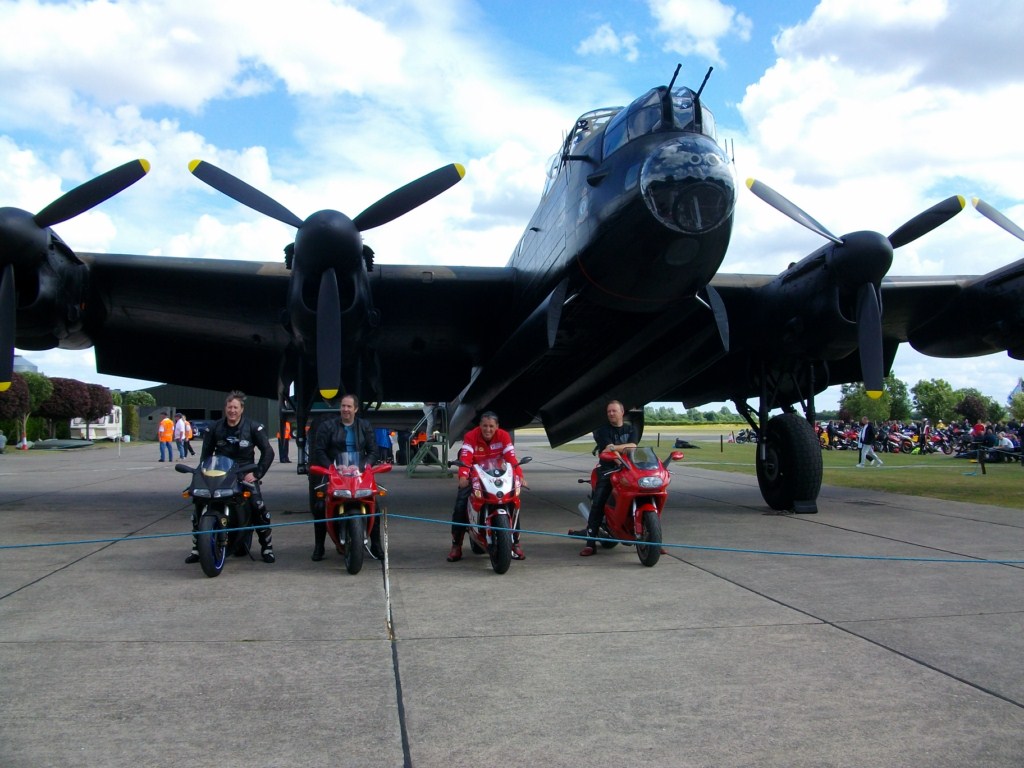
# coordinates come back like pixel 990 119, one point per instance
pixel 791 467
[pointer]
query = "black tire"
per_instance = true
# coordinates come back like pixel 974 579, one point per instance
pixel 355 533
pixel 907 445
pixel 791 468
pixel 212 544
pixel 477 549
pixel 947 448
pixel 650 552
pixel 501 545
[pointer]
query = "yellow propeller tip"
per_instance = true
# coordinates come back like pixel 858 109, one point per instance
pixel 145 164
pixel 328 394
pixel 461 169
pixel 874 394
pixel 4 386
pixel 750 183
pixel 963 201
pixel 975 201
pixel 193 165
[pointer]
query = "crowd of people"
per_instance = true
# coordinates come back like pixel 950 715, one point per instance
pixel 1001 441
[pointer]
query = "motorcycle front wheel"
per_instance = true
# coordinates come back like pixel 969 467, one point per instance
pixel 355 533
pixel 650 552
pixel 212 543
pixel 501 544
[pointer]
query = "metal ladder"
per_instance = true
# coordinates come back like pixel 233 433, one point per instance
pixel 433 452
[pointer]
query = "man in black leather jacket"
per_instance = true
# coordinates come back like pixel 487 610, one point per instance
pixel 239 437
pixel 346 434
pixel 616 435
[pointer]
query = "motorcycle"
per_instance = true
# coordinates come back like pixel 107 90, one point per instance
pixel 746 436
pixel 350 495
pixel 639 492
pixel 494 508
pixel 223 507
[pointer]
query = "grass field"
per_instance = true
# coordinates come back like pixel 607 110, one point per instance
pixel 936 475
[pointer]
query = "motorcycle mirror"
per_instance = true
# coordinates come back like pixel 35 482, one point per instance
pixel 315 469
pixel 676 456
pixel 525 460
pixel 185 469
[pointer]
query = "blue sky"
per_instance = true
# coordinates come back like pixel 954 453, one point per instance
pixel 864 113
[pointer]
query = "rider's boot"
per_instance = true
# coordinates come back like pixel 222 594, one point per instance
pixel 193 556
pixel 264 535
pixel 456 552
pixel 319 537
pixel 591 548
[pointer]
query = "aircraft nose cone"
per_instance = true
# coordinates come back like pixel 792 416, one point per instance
pixel 688 185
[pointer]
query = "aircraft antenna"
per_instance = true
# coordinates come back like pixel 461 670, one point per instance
pixel 701 89
pixel 674 76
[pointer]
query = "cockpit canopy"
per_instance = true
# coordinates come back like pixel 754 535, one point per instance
pixel 653 112
pixel 650 113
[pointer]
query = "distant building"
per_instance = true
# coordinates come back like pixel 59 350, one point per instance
pixel 1016 390
pixel 21 365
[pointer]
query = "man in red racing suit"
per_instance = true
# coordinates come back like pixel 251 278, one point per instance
pixel 484 442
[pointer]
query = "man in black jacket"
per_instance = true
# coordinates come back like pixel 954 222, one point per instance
pixel 346 434
pixel 238 438
pixel 616 435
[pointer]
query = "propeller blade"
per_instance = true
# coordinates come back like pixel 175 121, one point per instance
pixel 992 214
pixel 928 220
pixel 7 318
pixel 781 204
pixel 412 195
pixel 328 336
pixel 91 193
pixel 869 338
pixel 241 192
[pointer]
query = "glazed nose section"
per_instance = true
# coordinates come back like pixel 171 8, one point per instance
pixel 688 185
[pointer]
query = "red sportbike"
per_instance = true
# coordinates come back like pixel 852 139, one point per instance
pixel 350 504
pixel 494 508
pixel 639 492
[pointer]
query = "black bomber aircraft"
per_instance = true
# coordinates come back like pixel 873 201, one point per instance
pixel 613 291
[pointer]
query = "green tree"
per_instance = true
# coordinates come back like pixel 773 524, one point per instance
pixel 935 399
pixel 138 397
pixel 899 407
pixel 39 389
pixel 14 403
pixel 972 407
pixel 694 415
pixel 68 400
pixel 854 401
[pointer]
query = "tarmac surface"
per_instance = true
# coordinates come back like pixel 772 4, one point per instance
pixel 117 653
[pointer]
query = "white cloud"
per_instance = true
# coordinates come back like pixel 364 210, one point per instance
pixel 694 27
pixel 605 40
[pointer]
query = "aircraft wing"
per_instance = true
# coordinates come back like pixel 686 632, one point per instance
pixel 220 324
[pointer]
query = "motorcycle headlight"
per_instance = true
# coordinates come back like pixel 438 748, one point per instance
pixel 652 481
pixel 342 494
pixel 362 493
pixel 201 493
pixel 221 493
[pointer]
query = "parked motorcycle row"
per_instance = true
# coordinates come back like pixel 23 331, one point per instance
pixel 353 503
pixel 915 439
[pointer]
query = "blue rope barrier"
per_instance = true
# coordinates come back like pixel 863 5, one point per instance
pixel 448 523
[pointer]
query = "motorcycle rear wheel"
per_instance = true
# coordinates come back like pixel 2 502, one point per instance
pixel 212 544
pixel 501 544
pixel 355 533
pixel 650 552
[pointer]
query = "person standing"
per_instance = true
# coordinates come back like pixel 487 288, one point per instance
pixel 165 434
pixel 346 434
pixel 866 439
pixel 283 436
pixel 180 434
pixel 238 438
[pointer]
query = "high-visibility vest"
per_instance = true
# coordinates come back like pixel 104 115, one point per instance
pixel 165 432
